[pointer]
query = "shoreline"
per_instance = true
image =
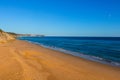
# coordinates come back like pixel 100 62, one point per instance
pixel 75 54
pixel 26 61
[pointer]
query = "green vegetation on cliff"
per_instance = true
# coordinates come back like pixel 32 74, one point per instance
pixel 1 30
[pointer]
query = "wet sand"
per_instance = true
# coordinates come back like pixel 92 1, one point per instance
pixel 20 60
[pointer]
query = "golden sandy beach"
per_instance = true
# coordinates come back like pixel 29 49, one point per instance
pixel 20 60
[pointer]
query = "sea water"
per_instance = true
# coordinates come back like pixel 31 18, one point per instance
pixel 101 49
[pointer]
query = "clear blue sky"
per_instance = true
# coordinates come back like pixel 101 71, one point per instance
pixel 61 17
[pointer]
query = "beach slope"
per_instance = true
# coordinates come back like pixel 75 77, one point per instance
pixel 21 60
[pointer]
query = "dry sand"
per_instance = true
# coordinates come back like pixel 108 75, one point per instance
pixel 20 60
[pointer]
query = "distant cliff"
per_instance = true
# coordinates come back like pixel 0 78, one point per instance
pixel 25 35
pixel 4 36
pixel 30 35
pixel 7 36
